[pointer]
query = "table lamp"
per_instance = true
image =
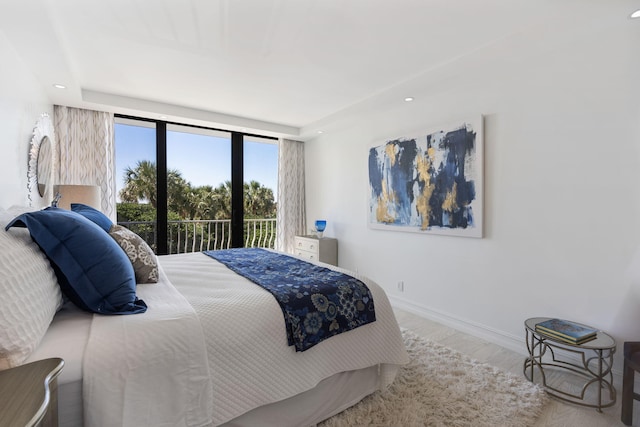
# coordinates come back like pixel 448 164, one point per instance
pixel 86 194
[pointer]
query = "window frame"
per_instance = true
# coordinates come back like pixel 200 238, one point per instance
pixel 237 176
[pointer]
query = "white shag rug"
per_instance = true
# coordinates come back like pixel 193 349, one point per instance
pixel 443 387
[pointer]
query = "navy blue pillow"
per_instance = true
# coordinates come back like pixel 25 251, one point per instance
pixel 92 269
pixel 92 215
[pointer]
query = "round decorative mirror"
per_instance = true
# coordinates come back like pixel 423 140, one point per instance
pixel 42 162
pixel 45 166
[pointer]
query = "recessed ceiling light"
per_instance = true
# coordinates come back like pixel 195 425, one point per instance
pixel 163 117
pixel 59 86
pixel 320 131
pixel 409 98
pixel 636 14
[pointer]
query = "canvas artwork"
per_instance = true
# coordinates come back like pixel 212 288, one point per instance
pixel 430 182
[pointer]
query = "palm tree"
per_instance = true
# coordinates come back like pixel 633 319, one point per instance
pixel 140 183
pixel 222 201
pixel 140 186
pixel 202 202
pixel 178 193
pixel 258 200
pixel 189 202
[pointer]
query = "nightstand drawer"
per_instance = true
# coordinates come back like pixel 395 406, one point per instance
pixel 311 256
pixel 314 249
pixel 307 245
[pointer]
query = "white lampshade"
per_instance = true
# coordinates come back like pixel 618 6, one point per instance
pixel 86 194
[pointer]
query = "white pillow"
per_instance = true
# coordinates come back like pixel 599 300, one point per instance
pixel 29 292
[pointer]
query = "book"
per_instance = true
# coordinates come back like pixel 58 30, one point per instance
pixel 555 336
pixel 570 331
pixel 563 335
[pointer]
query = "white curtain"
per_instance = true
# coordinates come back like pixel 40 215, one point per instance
pixel 291 215
pixel 87 154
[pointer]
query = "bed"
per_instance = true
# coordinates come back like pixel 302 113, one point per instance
pixel 210 349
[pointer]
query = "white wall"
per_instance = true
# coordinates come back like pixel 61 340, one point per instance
pixel 562 194
pixel 22 101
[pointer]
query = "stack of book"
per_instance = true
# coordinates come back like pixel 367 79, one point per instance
pixel 565 331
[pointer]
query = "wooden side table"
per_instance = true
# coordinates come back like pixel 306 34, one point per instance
pixel 30 394
pixel 591 360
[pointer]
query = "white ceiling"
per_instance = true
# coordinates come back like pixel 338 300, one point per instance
pixel 277 66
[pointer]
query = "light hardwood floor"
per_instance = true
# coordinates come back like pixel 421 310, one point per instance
pixel 556 413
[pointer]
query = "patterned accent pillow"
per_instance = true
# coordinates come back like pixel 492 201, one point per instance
pixel 145 264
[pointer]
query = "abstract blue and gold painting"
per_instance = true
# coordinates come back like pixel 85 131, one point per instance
pixel 429 183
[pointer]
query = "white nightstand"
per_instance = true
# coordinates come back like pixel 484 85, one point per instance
pixel 314 249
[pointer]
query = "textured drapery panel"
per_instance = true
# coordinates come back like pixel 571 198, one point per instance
pixel 291 215
pixel 87 154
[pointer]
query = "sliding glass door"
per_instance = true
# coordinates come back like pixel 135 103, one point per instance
pixel 260 191
pixel 136 184
pixel 198 189
pixel 187 189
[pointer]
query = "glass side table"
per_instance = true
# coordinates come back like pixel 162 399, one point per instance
pixel 591 361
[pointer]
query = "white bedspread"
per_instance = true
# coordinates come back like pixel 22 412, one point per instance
pixel 173 374
pixel 148 369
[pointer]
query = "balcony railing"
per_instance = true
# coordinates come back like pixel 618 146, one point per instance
pixel 204 235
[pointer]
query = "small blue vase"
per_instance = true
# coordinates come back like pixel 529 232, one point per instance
pixel 321 224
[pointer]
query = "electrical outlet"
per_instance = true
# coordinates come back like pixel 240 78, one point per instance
pixel 401 286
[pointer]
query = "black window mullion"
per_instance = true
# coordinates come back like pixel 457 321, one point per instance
pixel 237 190
pixel 161 188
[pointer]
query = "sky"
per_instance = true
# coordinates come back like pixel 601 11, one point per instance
pixel 201 159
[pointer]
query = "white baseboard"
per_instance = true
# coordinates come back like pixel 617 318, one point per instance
pixel 508 341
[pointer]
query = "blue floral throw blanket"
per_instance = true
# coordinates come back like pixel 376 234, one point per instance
pixel 317 302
